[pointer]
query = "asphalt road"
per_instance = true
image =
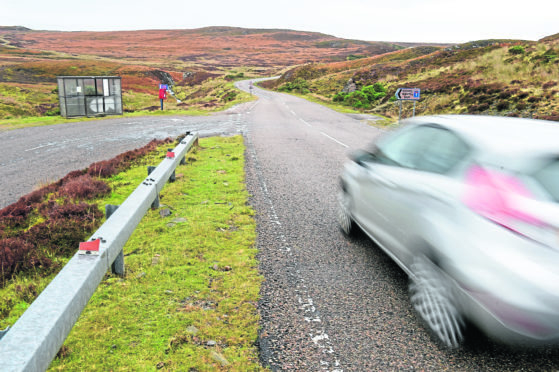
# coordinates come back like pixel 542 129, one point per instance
pixel 328 302
pixel 30 157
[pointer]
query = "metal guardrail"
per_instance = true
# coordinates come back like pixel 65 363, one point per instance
pixel 33 341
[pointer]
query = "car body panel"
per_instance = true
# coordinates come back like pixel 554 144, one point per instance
pixel 503 281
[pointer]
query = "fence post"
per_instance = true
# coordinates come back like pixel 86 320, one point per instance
pixel 117 266
pixel 155 203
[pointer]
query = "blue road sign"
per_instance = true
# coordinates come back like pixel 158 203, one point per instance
pixel 408 94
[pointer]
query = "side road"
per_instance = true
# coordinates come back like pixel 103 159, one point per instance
pixel 34 156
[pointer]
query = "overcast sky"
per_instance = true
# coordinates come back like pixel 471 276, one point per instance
pixel 372 20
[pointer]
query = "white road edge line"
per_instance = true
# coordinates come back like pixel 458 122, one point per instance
pixel 335 140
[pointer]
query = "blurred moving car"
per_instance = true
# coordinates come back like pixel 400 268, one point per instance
pixel 468 207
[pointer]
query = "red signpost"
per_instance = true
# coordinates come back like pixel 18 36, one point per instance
pixel 162 93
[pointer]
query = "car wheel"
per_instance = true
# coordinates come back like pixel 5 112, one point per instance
pixel 433 300
pixel 344 216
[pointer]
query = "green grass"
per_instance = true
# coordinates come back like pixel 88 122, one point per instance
pixel 191 277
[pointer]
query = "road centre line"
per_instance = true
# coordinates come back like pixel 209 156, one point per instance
pixel 335 140
pixel 305 122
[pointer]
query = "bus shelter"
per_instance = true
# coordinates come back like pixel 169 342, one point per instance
pixel 89 95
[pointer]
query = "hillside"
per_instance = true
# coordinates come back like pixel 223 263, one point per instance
pixel 199 63
pixel 211 47
pixel 495 77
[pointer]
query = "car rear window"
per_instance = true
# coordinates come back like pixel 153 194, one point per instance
pixel 548 178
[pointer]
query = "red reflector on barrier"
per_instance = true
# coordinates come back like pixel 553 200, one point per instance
pixel 170 154
pixel 91 248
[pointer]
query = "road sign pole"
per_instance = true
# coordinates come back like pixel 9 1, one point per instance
pixel 414 108
pixel 400 114
pixel 161 104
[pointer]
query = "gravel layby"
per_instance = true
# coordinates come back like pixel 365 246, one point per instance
pixel 330 303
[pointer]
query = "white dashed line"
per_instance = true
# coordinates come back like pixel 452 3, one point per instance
pixel 335 140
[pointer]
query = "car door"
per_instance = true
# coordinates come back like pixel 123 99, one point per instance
pixel 406 178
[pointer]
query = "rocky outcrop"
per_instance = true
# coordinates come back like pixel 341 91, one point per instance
pixel 350 86
pixel 164 77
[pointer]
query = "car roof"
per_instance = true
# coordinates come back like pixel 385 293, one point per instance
pixel 500 135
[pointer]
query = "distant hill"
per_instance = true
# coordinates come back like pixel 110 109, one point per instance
pixel 210 47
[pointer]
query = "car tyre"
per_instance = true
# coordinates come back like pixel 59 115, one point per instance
pixel 432 298
pixel 344 215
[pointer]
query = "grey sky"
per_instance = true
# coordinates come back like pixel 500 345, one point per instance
pixel 372 20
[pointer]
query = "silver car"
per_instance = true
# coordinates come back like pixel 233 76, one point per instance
pixel 468 207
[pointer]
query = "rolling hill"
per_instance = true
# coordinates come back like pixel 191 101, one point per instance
pixel 495 77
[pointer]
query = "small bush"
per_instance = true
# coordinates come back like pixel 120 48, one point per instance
pixel 104 169
pixel 15 255
pixel 517 49
pixel 15 215
pixel 502 105
pixel 81 211
pixel 374 92
pixel 84 187
pixel 483 106
pixel 357 99
pixel 339 97
pixel 504 94
pixel 533 99
pixel 299 85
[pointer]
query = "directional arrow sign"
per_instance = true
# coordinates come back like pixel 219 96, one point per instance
pixel 408 94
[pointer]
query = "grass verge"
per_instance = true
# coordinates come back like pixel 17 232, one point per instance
pixel 188 299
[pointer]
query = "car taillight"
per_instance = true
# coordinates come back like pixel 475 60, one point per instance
pixel 501 197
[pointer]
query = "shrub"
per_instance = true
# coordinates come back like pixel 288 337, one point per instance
pixel 15 255
pixel 67 226
pixel 504 94
pixel 517 49
pixel 374 91
pixel 300 85
pixel 60 237
pixel 15 215
pixel 357 99
pixel 483 106
pixel 362 98
pixel 81 211
pixel 339 97
pixel 104 169
pixel 353 57
pixel 502 105
pixel 533 99
pixel 229 96
pixel 54 112
pixel 84 187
